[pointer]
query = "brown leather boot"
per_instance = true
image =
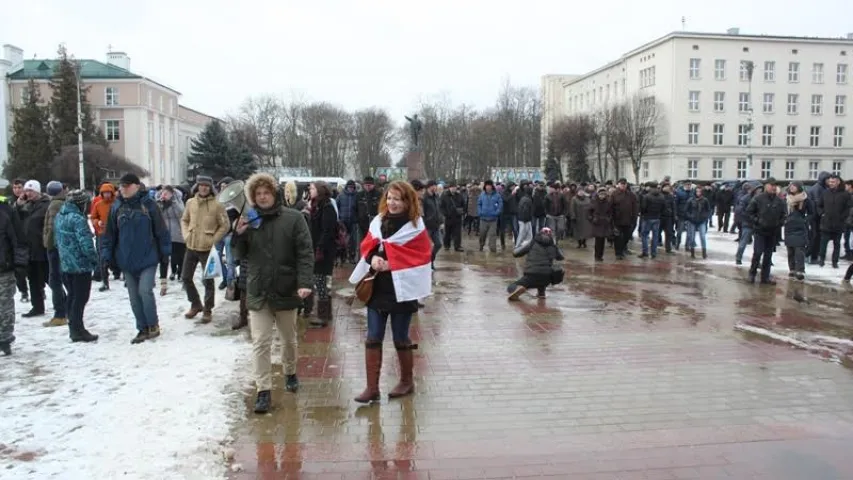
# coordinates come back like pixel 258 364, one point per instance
pixel 193 312
pixel 243 320
pixel 406 356
pixel 324 313
pixel 373 367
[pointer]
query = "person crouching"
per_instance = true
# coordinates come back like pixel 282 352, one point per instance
pixel 539 269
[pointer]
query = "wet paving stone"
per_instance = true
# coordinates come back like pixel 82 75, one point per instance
pixel 629 370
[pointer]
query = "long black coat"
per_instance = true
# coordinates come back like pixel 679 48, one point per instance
pixel 600 215
pixel 797 226
pixel 324 230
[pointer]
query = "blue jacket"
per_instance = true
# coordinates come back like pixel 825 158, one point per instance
pixel 74 240
pixel 347 207
pixel 681 198
pixel 136 237
pixel 490 206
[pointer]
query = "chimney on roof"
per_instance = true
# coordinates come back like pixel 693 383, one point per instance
pixel 13 54
pixel 118 59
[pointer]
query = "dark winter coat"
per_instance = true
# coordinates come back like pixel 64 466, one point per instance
pixel 510 204
pixel 384 296
pixel 556 204
pixel 347 203
pixel 816 191
pixel 74 241
pixel 13 248
pixel 626 208
pixel 668 206
pixel 280 259
pixel 367 207
pixel 324 229
pixel 833 208
pixel 539 195
pixel 432 212
pixel 740 209
pixel 600 215
pixel 698 210
pixel 48 238
pixel 767 212
pixel 724 200
pixel 34 227
pixel 525 208
pixel 652 205
pixel 578 213
pixel 681 198
pixel 797 225
pixel 452 207
pixel 541 253
pixel 136 237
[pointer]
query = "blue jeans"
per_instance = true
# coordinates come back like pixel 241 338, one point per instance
pixel 377 321
pixel 229 267
pixel 650 226
pixel 435 236
pixel 745 238
pixel 140 289
pixel 54 280
pixel 692 229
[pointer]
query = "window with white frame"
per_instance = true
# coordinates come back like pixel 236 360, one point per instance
pixel 693 168
pixel 695 63
pixel 719 69
pixel 743 72
pixel 769 71
pixel 791 136
pixel 840 104
pixel 717 168
pixel 841 74
pixel 817 104
pixel 743 135
pixel 645 169
pixel 838 137
pixel 814 136
pixel 817 73
pixel 692 133
pixel 836 167
pixel 814 166
pixel 766 167
pixel 793 72
pixel 111 130
pixel 693 101
pixel 741 168
pixel 767 135
pixel 162 134
pixel 647 78
pixel 767 105
pixel 719 130
pixel 719 101
pixel 743 102
pixel 111 96
pixel 789 169
pixel 793 102
pixel 150 99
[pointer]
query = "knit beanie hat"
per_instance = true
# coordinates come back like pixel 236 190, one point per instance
pixel 53 188
pixel 80 198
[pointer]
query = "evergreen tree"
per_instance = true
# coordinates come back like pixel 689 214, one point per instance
pixel 553 172
pixel 242 163
pixel 63 107
pixel 30 153
pixel 211 152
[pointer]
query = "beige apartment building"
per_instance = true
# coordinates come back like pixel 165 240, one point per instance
pixel 141 119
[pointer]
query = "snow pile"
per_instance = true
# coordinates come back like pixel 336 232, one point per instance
pixel 826 346
pixel 161 409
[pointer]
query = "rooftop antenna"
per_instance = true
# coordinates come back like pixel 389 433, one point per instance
pixel 684 23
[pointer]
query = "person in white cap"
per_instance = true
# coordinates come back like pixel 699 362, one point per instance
pixel 33 215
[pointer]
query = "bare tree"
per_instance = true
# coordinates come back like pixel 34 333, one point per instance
pixel 598 143
pixel 327 131
pixel 614 139
pixel 373 135
pixel 100 164
pixel 259 122
pixel 638 122
pixel 573 136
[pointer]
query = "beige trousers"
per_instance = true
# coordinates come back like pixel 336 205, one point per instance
pixel 261 322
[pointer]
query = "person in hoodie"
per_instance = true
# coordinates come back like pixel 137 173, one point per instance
pixel 348 215
pixel 54 279
pixel 489 208
pixel 34 213
pixel 797 229
pixel 816 194
pixel 78 259
pixel 100 211
pixel 539 268
pixel 652 207
pixel 172 209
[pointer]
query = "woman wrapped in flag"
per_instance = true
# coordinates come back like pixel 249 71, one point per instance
pixel 397 247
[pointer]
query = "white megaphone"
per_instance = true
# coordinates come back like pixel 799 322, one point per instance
pixel 233 195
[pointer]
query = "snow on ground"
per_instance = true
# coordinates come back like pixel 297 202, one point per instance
pixel 110 409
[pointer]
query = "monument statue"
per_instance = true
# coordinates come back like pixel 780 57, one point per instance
pixel 415 126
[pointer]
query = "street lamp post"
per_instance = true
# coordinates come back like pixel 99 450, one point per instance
pixel 80 131
pixel 750 67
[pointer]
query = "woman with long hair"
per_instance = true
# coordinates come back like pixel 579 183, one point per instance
pixel 397 250
pixel 323 221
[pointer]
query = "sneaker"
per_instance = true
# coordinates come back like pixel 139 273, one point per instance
pixel 519 290
pixel 140 337
pixel 33 313
pixel 292 383
pixel 56 322
pixel 153 332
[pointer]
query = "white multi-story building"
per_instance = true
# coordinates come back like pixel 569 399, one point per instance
pixel 798 101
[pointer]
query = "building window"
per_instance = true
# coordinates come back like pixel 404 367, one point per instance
pixel 692 133
pixel 766 166
pixel 743 134
pixel 693 101
pixel 769 71
pixel 695 63
pixel 719 129
pixel 647 78
pixel 836 167
pixel 111 96
pixel 150 99
pixel 717 168
pixel 791 136
pixel 150 132
pixel 841 74
pixel 814 165
pixel 719 101
pixel 719 69
pixel 767 135
pixel 817 104
pixel 112 130
pixel 814 136
pixel 793 72
pixel 838 137
pixel 693 168
pixel 741 168
pixel 743 102
pixel 817 73
pixel 767 106
pixel 793 101
pixel 840 104
pixel 162 134
pixel 789 169
pixel 645 169
pixel 743 73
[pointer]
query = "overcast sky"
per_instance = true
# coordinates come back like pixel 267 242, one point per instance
pixel 388 53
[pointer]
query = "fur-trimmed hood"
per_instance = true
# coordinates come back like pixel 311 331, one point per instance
pixel 258 180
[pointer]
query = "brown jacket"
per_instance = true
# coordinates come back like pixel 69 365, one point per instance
pixel 204 223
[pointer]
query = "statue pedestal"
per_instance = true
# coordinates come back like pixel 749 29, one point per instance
pixel 415 166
